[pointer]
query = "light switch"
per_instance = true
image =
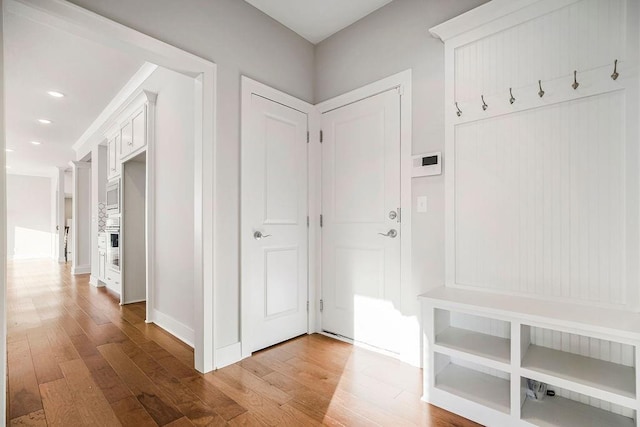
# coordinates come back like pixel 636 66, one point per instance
pixel 421 204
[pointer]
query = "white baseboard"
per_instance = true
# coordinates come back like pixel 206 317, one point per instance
pixel 135 301
pixel 175 328
pixel 27 257
pixel 61 260
pixel 228 355
pixel 81 269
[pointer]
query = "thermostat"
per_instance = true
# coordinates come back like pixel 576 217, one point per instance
pixel 427 164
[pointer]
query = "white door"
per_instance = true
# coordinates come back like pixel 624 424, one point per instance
pixel 274 221
pixel 361 221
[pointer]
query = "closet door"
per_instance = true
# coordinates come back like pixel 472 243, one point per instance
pixel 274 221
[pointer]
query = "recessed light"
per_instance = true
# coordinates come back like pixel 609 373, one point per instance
pixel 36 142
pixel 56 94
pixel 45 121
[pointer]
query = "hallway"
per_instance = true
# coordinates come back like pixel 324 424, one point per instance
pixel 75 357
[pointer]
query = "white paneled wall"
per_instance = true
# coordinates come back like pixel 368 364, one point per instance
pixel 582 36
pixel 543 193
pixel 540 205
pixel 483 325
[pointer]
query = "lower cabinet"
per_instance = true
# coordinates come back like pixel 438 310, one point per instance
pixel 102 265
pixel 483 360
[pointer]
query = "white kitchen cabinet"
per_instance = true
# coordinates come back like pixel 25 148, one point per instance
pixel 130 132
pixel 136 129
pixel 138 123
pixel 113 161
pixel 127 136
pixel 102 265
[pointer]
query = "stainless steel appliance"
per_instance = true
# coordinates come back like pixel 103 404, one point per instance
pixel 113 197
pixel 112 229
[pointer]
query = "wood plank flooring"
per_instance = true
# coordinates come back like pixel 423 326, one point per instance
pixel 76 358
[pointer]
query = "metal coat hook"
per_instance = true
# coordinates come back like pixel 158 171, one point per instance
pixel 541 93
pixel 575 80
pixel 512 99
pixel 459 112
pixel 484 104
pixel 615 74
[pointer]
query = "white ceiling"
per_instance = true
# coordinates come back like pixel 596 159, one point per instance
pixel 315 20
pixel 39 59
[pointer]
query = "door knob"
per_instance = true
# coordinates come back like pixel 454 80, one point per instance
pixel 392 233
pixel 259 236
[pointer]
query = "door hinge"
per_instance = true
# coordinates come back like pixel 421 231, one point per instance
pixel 307 306
pixel 399 215
pixel 321 137
pixel 307 220
pixel 321 305
pixel 321 221
pixel 307 137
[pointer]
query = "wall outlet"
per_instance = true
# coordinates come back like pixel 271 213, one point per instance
pixel 421 204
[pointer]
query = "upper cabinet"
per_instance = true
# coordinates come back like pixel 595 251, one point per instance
pixel 113 148
pixel 131 132
pixel 134 133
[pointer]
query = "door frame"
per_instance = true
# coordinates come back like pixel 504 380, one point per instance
pixel 86 24
pixel 250 87
pixel 401 82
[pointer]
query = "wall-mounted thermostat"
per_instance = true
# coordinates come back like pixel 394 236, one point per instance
pixel 427 164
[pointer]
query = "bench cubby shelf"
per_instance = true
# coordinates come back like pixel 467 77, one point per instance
pixel 480 348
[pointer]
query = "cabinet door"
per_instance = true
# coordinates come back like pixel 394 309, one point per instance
pixel 102 265
pixel 112 157
pixel 126 141
pixel 117 142
pixel 139 138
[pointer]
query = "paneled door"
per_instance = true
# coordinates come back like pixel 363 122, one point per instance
pixel 361 221
pixel 274 221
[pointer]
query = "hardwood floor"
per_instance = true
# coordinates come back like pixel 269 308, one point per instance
pixel 76 358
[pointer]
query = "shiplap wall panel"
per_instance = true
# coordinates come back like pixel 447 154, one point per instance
pixel 586 346
pixel 582 36
pixel 483 325
pixel 540 205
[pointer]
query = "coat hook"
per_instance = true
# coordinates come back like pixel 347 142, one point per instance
pixel 484 104
pixel 615 74
pixel 541 93
pixel 459 112
pixel 512 99
pixel 575 80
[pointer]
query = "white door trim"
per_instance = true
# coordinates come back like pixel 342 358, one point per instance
pixel 83 23
pixel 401 81
pixel 250 87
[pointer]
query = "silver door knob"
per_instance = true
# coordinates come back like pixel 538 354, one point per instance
pixel 259 236
pixel 391 233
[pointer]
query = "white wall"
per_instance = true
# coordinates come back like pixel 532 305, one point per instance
pixel 81 228
pixel 29 212
pixel 54 216
pixel 242 41
pixel 68 182
pixel 98 195
pixel 3 254
pixel 174 192
pixel 390 40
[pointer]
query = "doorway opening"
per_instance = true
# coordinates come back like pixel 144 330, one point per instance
pixel 201 75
